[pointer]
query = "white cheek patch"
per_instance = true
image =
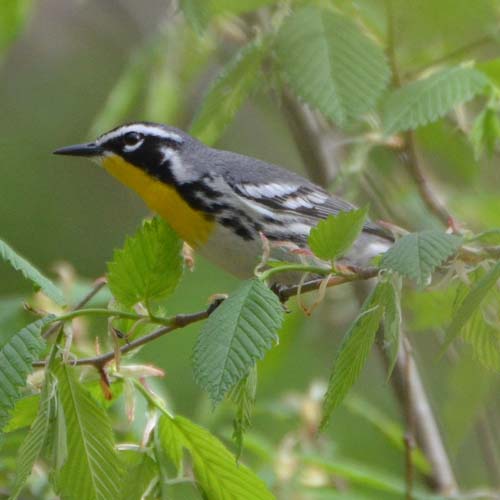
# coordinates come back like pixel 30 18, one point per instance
pixel 182 172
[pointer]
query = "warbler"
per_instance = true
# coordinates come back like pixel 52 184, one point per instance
pixel 224 205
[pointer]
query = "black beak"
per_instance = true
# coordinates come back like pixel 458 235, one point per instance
pixel 88 149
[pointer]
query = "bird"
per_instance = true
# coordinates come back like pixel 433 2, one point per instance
pixel 223 204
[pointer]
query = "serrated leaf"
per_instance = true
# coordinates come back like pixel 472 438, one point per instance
pixel 485 132
pixel 471 303
pixel 243 396
pixel 417 255
pixel 331 64
pixel 92 467
pixel 237 81
pixel 333 236
pixel 149 266
pixel 172 441
pixel 425 101
pixel 13 16
pixel 354 349
pixel 31 273
pixel 142 470
pixel 34 442
pixel 16 356
pixel 24 413
pixel 216 471
pixel 237 334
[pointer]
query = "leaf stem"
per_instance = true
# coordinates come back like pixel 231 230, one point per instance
pixel 301 268
pixel 113 313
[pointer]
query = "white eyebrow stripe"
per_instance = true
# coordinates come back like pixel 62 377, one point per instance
pixel 141 129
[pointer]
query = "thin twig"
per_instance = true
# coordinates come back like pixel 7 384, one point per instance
pixel 182 320
pixel 99 283
pixel 425 189
pixel 285 293
pixel 427 431
pixel 409 437
pixel 179 321
pixel 409 152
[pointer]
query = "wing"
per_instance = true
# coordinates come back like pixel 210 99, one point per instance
pixel 307 200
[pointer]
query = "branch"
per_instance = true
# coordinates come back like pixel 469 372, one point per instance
pixel 409 149
pixel 182 320
pixel 425 188
pixel 178 321
pixel 427 430
pixel 284 293
pixel 428 435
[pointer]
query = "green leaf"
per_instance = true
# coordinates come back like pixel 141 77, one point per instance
pixel 331 64
pixel 16 356
pixel 425 101
pixel 149 266
pixel 171 441
pixel 485 132
pixel 243 395
pixel 24 413
pixel 13 16
pixel 31 273
pixel 92 467
pixel 333 236
pixel 141 469
pixel 216 471
pixel 392 324
pixel 353 351
pixel 235 336
pixel 237 81
pixel 36 439
pixel 417 255
pixel 471 303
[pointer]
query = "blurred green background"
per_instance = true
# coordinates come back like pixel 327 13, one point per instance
pixel 55 81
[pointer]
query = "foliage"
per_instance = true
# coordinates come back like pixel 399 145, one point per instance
pixel 217 473
pixel 354 350
pixel 424 101
pixel 149 267
pixel 332 237
pixel 348 79
pixel 417 255
pixel 235 336
pixel 16 356
pixel 331 64
pixel 30 272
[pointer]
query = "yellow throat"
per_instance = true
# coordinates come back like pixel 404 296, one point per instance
pixel 190 224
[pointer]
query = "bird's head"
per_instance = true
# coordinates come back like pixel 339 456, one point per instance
pixel 153 148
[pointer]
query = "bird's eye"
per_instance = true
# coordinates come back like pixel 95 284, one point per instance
pixel 132 139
